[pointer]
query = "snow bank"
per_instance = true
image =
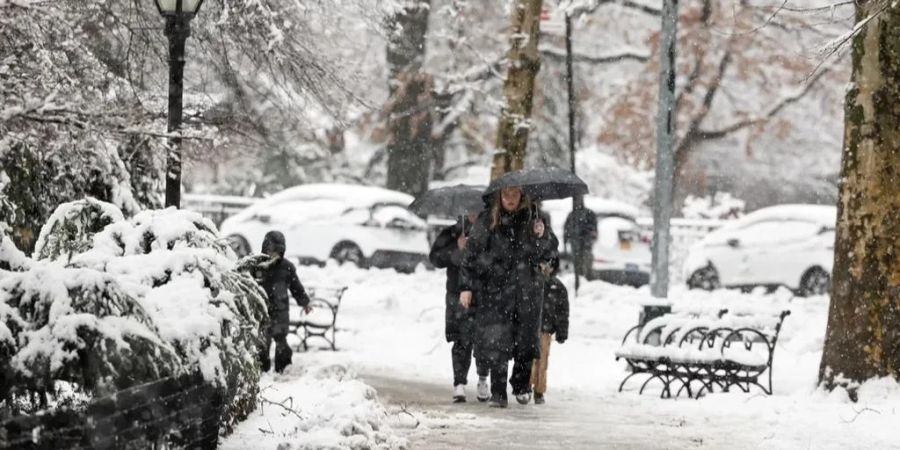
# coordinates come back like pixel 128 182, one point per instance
pixel 319 407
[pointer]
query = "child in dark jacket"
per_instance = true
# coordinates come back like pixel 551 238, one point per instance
pixel 555 321
pixel 278 277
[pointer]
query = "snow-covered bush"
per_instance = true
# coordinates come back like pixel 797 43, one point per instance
pixel 72 227
pixel 78 326
pixel 11 258
pixel 110 302
pixel 719 206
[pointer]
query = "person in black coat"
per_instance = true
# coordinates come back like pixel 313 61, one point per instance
pixel 501 271
pixel 459 327
pixel 555 322
pixel 278 277
pixel 579 235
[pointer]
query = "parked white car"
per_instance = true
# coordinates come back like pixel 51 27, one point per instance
pixel 620 255
pixel 785 245
pixel 368 226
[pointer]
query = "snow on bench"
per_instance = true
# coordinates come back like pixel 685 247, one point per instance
pixel 703 351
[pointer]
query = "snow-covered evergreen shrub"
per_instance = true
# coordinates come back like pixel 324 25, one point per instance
pixel 719 206
pixel 139 299
pixel 72 227
pixel 11 258
pixel 79 326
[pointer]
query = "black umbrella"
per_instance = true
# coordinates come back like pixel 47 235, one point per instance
pixel 547 183
pixel 450 201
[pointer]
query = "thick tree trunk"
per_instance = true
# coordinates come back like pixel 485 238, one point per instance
pixel 863 336
pixel 409 148
pixel 518 88
pixel 410 105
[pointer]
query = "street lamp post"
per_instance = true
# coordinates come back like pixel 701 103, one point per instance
pixel 178 15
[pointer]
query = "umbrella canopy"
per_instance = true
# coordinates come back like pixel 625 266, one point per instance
pixel 546 183
pixel 450 201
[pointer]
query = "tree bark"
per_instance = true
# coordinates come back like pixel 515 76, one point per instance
pixel 518 88
pixel 863 335
pixel 410 104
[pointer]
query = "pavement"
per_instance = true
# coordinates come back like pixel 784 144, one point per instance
pixel 566 421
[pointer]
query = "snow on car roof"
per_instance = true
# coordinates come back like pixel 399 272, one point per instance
pixel 820 214
pixel 352 194
pixel 599 205
pixel 348 195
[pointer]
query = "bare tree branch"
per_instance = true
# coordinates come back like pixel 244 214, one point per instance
pixel 701 135
pixel 630 4
pixel 559 54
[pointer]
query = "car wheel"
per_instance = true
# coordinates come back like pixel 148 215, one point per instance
pixel 348 252
pixel 240 245
pixel 706 278
pixel 815 281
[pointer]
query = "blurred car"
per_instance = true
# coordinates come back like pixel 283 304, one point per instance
pixel 621 255
pixel 784 245
pixel 368 226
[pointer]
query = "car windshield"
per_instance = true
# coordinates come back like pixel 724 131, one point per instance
pixel 777 231
pixel 386 214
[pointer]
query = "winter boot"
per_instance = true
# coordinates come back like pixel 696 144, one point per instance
pixel 523 398
pixel 484 389
pixel 498 401
pixel 538 399
pixel 459 393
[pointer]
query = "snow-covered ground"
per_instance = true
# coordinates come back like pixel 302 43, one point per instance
pixel 391 328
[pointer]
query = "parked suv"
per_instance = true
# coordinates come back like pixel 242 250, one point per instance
pixel 368 226
pixel 785 245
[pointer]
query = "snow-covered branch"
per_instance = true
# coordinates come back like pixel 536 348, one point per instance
pixel 559 54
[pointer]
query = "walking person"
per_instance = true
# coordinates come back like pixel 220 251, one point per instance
pixel 278 277
pixel 499 270
pixel 459 326
pixel 579 235
pixel 554 323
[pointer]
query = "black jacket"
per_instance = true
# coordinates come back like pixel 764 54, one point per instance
pixel 445 253
pixel 278 277
pixel 501 267
pixel 581 224
pixel 556 309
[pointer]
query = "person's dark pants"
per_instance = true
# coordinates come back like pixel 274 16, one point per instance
pixel 498 369
pixel 521 376
pixel 462 353
pixel 283 352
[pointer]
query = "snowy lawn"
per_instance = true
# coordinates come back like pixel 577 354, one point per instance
pixel 391 326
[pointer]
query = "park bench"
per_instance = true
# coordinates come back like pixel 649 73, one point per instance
pixel 701 352
pixel 321 322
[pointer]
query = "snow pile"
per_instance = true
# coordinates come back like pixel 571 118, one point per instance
pixel 320 407
pixel 719 206
pixel 109 303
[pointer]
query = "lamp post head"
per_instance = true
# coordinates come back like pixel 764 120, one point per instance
pixel 178 8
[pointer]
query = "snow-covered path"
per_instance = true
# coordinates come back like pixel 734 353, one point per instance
pixel 570 421
pixel 391 338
